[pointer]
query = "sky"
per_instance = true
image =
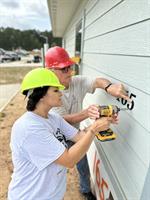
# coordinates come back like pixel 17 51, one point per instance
pixel 25 14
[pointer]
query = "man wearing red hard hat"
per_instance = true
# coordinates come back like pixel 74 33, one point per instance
pixel 58 60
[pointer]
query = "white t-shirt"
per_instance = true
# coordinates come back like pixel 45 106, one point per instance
pixel 36 143
pixel 72 98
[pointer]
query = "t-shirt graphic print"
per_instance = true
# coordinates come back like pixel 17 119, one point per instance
pixel 60 136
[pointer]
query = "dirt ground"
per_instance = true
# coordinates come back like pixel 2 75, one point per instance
pixel 7 117
pixel 11 75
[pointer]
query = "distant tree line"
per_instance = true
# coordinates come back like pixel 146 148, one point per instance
pixel 11 38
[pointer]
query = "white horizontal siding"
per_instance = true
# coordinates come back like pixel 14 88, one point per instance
pixel 135 136
pixel 117 47
pixel 146 191
pixel 129 154
pixel 90 5
pixel 77 16
pixel 128 169
pixel 133 71
pixel 70 41
pixel 70 35
pixel 124 14
pixel 123 74
pixel 70 32
pixel 97 9
pixel 124 41
pixel 130 130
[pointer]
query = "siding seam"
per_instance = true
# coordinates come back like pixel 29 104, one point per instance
pixel 103 13
pixel 115 54
pixel 116 79
pixel 130 146
pixel 92 7
pixel 123 27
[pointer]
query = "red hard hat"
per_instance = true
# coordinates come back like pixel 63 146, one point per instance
pixel 57 58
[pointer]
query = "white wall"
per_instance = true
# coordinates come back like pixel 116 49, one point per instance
pixel 70 33
pixel 117 47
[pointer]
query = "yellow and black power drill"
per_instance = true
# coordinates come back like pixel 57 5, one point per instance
pixel 108 111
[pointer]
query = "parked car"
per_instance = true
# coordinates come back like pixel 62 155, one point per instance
pixel 36 59
pixel 8 56
pixel 5 57
pixel 13 55
pixel 22 52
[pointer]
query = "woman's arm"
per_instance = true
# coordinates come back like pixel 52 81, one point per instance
pixel 71 156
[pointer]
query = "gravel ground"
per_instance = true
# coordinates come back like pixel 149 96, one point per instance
pixel 7 117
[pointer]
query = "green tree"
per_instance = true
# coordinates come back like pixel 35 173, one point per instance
pixel 11 38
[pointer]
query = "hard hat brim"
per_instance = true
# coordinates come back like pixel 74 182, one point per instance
pixel 40 77
pixel 60 87
pixel 62 65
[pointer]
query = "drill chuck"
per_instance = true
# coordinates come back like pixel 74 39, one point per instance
pixel 108 111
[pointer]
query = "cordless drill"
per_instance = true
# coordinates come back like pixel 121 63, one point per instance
pixel 108 111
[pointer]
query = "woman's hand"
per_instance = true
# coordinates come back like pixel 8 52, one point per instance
pixel 102 124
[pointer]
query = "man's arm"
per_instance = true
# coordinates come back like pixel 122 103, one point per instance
pixel 91 111
pixel 116 89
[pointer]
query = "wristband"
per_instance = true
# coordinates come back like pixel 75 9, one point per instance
pixel 106 88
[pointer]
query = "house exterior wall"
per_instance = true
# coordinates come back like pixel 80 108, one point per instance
pixel 69 37
pixel 116 46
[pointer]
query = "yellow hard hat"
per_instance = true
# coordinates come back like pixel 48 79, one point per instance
pixel 40 77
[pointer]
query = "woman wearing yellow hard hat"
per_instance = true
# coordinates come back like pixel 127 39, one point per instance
pixel 38 141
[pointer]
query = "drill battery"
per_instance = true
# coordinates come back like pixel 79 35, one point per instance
pixel 106 135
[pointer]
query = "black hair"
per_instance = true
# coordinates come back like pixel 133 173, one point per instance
pixel 35 96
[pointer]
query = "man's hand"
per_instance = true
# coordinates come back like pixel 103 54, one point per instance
pixel 118 90
pixel 92 112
